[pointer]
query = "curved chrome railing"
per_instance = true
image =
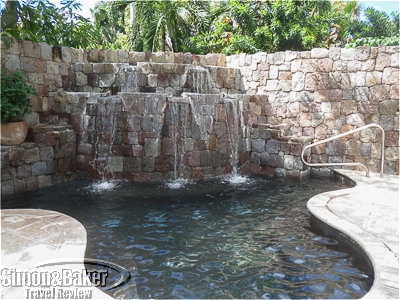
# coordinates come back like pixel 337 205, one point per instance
pixel 346 164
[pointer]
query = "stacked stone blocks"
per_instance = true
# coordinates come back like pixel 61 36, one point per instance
pixel 48 157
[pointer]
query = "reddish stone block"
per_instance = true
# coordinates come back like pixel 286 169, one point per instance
pixel 93 80
pixel 295 149
pixel 212 142
pixel 368 107
pixel 51 139
pixel 267 171
pixel 116 150
pixel 319 158
pixel 243 158
pixel 285 147
pixel 162 80
pixel 125 176
pixel 32 183
pixel 126 150
pixel 40 66
pixel 311 82
pixel 255 168
pixel 245 168
pixel 27 64
pixel 293 174
pixel 31 155
pixel 346 128
pixel 63 69
pixel 17 158
pixel 194 159
pixel 325 65
pixel 70 150
pixel 42 90
pixel 179 58
pixel 263 67
pixel 77 122
pixel 180 69
pixel 142 177
pixel 64 165
pixel 219 82
pixel 319 149
pixel 335 95
pixel 198 173
pixel 24 171
pixel 167 146
pixel 392 139
pixel 163 164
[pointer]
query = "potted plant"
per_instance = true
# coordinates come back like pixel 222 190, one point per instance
pixel 15 104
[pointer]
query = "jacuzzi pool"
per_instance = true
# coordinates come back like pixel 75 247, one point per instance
pixel 210 239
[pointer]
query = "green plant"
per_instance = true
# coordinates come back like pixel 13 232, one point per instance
pixel 15 97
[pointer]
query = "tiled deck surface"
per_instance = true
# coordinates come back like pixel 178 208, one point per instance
pixel 369 214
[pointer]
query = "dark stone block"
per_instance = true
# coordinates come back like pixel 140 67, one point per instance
pixel 8 174
pixel 39 168
pixel 132 164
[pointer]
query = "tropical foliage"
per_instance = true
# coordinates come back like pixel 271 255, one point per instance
pixel 42 21
pixel 378 28
pixel 15 97
pixel 225 26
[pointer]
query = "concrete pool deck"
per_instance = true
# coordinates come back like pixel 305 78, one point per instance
pixel 367 213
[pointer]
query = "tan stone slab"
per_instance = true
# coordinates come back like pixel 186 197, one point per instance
pixel 369 214
pixel 32 236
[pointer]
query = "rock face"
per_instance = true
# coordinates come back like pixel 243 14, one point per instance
pixel 159 116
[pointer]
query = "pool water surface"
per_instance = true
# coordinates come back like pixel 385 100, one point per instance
pixel 210 239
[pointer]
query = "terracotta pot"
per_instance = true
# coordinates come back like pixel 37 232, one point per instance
pixel 13 133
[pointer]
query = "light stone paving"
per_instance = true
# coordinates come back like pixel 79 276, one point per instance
pixel 369 214
pixel 31 237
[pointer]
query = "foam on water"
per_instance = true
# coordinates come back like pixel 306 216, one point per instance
pixel 101 186
pixel 178 183
pixel 237 179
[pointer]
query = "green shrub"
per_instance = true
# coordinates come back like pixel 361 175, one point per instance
pixel 15 97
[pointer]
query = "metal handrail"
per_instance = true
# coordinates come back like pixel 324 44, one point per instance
pixel 346 164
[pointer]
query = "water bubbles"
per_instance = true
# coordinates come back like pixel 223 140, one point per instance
pixel 236 179
pixel 103 186
pixel 178 183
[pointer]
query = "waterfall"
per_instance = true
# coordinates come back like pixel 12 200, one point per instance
pixel 198 80
pixel 128 79
pixel 234 123
pixel 105 131
pixel 179 115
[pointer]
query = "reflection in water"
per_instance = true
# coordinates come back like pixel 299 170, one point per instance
pixel 210 239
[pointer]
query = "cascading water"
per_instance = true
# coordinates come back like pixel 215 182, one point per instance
pixel 179 116
pixel 127 79
pixel 234 123
pixel 105 129
pixel 198 80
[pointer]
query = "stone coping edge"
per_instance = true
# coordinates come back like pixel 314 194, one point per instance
pixel 384 261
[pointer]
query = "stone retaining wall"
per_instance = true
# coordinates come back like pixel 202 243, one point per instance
pixel 46 158
pixel 324 92
pixel 288 99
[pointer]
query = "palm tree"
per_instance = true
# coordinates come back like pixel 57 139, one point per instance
pixel 153 23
